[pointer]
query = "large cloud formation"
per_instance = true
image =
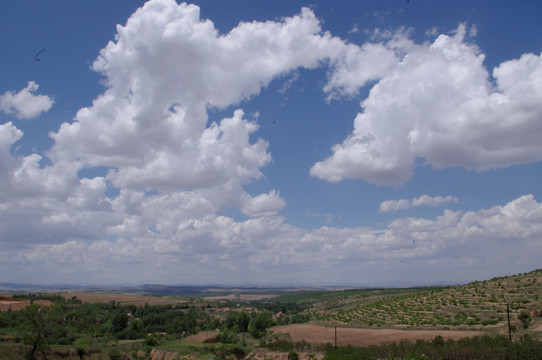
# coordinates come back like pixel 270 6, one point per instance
pixel 436 101
pixel 140 182
pixel 147 136
pixel 163 71
pixel 267 250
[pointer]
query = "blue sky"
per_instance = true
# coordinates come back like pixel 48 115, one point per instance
pixel 269 142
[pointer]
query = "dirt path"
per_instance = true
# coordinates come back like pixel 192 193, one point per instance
pixel 365 337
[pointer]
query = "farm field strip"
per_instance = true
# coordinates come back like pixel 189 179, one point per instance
pixel 123 299
pixel 7 304
pixel 242 297
pixel 316 334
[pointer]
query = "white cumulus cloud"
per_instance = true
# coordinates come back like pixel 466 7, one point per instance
pixel 164 70
pixel 167 173
pixel 438 102
pixel 264 249
pixel 264 204
pixel 25 104
pixel 148 132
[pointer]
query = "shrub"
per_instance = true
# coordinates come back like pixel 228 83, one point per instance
pixel 524 317
pixel 227 336
pixel 81 352
pixel 350 353
pixel 151 341
pixel 280 345
pixel 292 355
pixel 115 354
pixel 484 347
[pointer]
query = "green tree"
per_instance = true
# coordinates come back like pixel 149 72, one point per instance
pixel 239 321
pixel 258 325
pixel 119 322
pixel 36 327
pixel 227 336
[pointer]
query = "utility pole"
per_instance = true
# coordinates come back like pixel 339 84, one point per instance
pixel 335 336
pixel 508 314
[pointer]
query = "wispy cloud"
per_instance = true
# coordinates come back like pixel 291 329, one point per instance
pixel 354 30
pixel 424 200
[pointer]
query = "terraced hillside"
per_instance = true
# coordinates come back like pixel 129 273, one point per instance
pixel 478 305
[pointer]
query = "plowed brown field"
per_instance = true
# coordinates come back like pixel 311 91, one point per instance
pixel 201 337
pixel 365 337
pixel 16 304
pixel 123 299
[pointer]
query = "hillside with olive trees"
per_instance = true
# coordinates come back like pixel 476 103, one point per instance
pixel 478 305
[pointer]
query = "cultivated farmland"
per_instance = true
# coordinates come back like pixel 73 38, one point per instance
pixel 270 323
pixel 480 305
pixel 8 303
pixel 123 299
pixel 364 337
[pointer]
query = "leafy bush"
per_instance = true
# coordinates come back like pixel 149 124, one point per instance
pixel 227 336
pixel 81 352
pixel 280 345
pixel 115 354
pixel 524 316
pixel 292 355
pixel 151 341
pixel 351 353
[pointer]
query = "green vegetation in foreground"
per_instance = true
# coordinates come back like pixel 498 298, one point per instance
pixel 71 328
pixel 481 348
pixel 486 347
